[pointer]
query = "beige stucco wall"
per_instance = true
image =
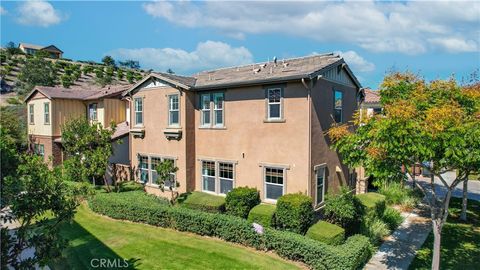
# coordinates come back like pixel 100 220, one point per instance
pixel 65 110
pixel 39 127
pixel 250 141
pixel 155 118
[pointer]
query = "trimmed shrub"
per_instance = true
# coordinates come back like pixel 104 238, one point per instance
pixel 263 214
pixel 326 232
pixel 294 213
pixel 374 203
pixel 204 202
pixel 392 218
pixel 351 255
pixel 239 201
pixel 344 210
pixel 129 186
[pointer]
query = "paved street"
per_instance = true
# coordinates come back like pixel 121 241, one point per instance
pixel 473 186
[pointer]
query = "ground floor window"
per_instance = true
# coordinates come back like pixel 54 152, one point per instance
pixel 143 167
pixel 217 176
pixel 274 183
pixel 320 184
pixel 148 170
pixel 39 149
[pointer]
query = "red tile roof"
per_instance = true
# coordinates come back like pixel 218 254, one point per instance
pixel 372 96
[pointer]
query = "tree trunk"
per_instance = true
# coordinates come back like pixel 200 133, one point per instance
pixel 463 215
pixel 437 239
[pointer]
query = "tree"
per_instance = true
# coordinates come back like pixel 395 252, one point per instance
pixel 129 64
pixel 120 74
pixel 36 72
pixel 108 61
pixel 32 193
pixel 88 147
pixel 165 170
pixel 13 137
pixel 435 124
pixel 12 48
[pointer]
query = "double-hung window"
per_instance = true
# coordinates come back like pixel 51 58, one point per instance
pixel 143 167
pixel 208 176
pixel 170 182
pixel 218 109
pixel 138 104
pixel 39 149
pixel 320 185
pixel 173 110
pixel 154 162
pixel 212 109
pixel 31 112
pixel 338 106
pixel 92 111
pixel 205 108
pixel 274 183
pixel 217 176
pixel 46 113
pixel 274 107
pixel 226 177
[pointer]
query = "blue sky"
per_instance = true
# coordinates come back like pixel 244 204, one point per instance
pixel 436 39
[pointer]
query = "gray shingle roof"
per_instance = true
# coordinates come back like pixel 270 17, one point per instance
pixel 79 93
pixel 265 71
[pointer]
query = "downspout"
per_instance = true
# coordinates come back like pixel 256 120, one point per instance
pixel 309 117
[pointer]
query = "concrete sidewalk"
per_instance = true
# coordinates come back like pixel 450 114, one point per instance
pixel 398 251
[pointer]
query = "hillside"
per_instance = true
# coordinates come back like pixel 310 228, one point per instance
pixel 68 73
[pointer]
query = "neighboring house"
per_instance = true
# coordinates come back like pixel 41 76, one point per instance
pixel 260 125
pixel 32 49
pixel 51 107
pixel 371 105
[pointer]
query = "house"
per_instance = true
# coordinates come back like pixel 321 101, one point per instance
pixel 31 49
pixel 371 105
pixel 260 125
pixel 51 107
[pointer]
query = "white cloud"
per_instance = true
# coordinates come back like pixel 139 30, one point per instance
pixel 207 55
pixel 38 13
pixel 2 11
pixel 406 27
pixel 356 62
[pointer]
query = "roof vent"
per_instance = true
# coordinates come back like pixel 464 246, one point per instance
pixel 264 65
pixel 257 70
pixel 285 65
pixel 275 60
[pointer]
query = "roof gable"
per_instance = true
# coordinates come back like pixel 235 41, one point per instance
pixel 52 48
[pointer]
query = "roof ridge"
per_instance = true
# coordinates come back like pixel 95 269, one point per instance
pixel 257 63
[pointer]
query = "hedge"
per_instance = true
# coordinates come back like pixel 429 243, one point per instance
pixel 204 202
pixel 374 203
pixel 326 232
pixel 241 200
pixel 263 214
pixel 294 213
pixel 351 255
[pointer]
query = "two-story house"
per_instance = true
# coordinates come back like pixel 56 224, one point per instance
pixel 261 125
pixel 51 107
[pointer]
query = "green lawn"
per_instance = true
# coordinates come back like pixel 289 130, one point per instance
pixel 460 241
pixel 147 247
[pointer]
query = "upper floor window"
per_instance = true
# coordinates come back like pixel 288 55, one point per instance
pixel 173 110
pixel 138 111
pixel 46 113
pixel 338 106
pixel 31 112
pixel 212 105
pixel 92 111
pixel 274 107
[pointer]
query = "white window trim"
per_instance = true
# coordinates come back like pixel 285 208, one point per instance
pixel 31 120
pixel 96 112
pixel 202 110
pixel 135 111
pixel 284 189
pixel 215 110
pixel 141 169
pixel 316 169
pixel 45 113
pixel 170 124
pixel 280 103
pixel 217 174
pixel 150 170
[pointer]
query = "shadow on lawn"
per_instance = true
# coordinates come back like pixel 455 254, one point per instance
pixel 85 251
